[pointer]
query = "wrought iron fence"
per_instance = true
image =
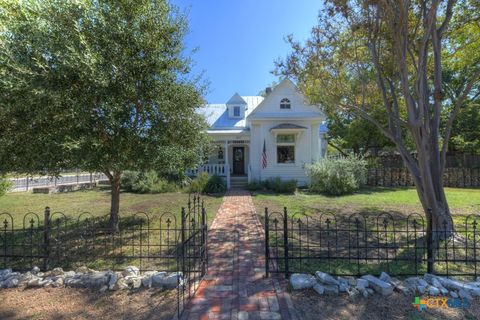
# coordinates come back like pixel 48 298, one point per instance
pixel 167 242
pixel 368 244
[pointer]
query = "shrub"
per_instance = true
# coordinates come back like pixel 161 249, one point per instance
pixel 4 185
pixel 129 178
pixel 215 185
pixel 256 185
pixel 206 184
pixel 275 184
pixel 337 176
pixel 281 186
pixel 146 182
pixel 199 183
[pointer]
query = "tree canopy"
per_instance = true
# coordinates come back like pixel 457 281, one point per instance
pixel 365 56
pixel 100 85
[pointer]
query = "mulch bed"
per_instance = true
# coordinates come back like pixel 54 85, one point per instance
pixel 310 306
pixel 74 303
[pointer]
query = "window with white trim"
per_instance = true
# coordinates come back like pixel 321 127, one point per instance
pixel 236 111
pixel 285 148
pixel 285 103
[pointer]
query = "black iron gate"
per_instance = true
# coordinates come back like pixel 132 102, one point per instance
pixel 192 260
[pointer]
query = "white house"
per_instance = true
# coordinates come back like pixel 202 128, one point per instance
pixel 257 138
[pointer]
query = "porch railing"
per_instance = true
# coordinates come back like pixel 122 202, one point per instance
pixel 211 169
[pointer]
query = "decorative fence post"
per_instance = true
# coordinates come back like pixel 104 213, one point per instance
pixel 285 240
pixel 204 241
pixel 46 239
pixel 430 242
pixel 266 243
pixel 182 235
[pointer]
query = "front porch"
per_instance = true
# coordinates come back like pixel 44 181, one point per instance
pixel 228 159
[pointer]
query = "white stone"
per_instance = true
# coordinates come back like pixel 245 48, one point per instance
pixel 35 270
pixel 35 282
pixel 464 294
pixel 57 272
pixel 320 289
pixel 112 280
pixel 326 278
pixel 96 279
pixel 364 293
pixel 352 292
pixel 343 287
pixel 362 283
pixel 430 277
pixel 331 289
pixel 422 282
pixel 58 282
pixel 10 283
pixel 421 289
pixel 120 284
pixel 69 274
pixel 403 289
pixel 130 271
pixel 433 291
pixel 170 281
pixel 133 281
pixel 4 273
pixel 301 281
pixel 458 285
pixel 382 287
pixel 156 279
pixel 385 277
pixel 411 283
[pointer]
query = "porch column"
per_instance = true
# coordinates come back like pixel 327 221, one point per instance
pixel 227 165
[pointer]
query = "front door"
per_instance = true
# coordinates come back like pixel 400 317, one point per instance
pixel 238 160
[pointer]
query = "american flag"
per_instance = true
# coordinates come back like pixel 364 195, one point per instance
pixel 264 156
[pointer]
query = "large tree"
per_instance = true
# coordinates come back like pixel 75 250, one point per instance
pixel 366 54
pixel 101 85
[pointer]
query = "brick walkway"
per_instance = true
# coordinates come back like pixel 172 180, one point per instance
pixel 235 287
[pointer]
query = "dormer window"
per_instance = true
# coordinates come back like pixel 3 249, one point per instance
pixel 285 103
pixel 236 111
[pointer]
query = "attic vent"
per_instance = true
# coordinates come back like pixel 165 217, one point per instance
pixel 285 103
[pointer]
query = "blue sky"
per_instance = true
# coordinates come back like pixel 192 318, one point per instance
pixel 238 40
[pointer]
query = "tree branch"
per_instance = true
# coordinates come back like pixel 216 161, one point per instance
pixel 456 107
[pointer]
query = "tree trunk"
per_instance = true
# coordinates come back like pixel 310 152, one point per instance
pixel 428 177
pixel 115 200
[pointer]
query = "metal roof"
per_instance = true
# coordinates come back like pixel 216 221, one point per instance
pixel 217 114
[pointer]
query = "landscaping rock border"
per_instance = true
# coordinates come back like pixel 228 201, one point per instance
pixel 432 285
pixel 83 277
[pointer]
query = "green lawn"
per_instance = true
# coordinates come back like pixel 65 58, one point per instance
pixel 370 200
pixel 317 241
pixel 97 202
pixel 91 242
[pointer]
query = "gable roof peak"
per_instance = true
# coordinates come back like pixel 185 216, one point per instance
pixel 236 99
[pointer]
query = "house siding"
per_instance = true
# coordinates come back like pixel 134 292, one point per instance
pixel 306 152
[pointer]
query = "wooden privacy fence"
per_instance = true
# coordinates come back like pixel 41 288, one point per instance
pixel 399 176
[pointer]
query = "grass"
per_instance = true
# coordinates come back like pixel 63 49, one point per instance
pixel 397 202
pixel 97 203
pixel 154 246
pixel 401 200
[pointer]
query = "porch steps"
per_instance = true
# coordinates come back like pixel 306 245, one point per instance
pixel 238 182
